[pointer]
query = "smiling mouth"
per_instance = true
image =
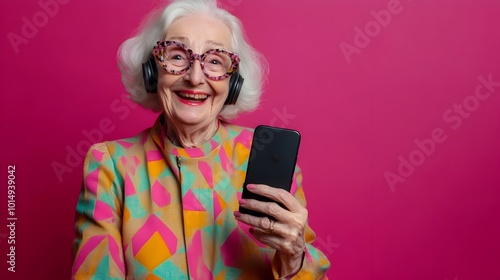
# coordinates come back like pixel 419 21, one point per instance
pixel 193 97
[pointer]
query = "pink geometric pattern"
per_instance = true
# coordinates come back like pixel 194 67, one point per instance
pixel 191 202
pixel 85 250
pixel 231 248
pixel 129 186
pixel 102 211
pixel 152 225
pixel 116 254
pixel 217 205
pixel 206 171
pixel 160 195
pixel 199 269
pixel 91 181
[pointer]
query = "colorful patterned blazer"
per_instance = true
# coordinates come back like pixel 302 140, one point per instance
pixel 152 210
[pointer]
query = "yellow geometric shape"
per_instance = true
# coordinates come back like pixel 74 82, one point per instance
pixel 153 277
pixel 223 205
pixel 193 221
pixel 154 252
pixel 222 202
pixel 126 214
pixel 106 178
pixel 111 149
pixel 220 222
pixel 238 178
pixel 183 153
pixel 221 275
pixel 218 173
pixel 242 153
pixel 155 168
pixel 221 219
pixel 227 146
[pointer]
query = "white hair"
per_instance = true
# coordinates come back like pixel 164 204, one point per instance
pixel 137 49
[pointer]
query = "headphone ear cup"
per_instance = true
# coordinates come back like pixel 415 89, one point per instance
pixel 235 84
pixel 150 75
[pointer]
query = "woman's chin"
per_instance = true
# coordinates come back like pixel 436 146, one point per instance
pixel 193 118
pixel 194 115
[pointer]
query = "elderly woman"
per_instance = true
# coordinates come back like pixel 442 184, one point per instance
pixel 164 204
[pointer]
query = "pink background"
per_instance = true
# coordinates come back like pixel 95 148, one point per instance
pixel 360 115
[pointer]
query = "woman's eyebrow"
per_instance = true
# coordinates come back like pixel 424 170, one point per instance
pixel 186 41
pixel 215 44
pixel 181 39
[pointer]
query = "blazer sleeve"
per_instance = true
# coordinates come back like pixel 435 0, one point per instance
pixel 97 248
pixel 315 263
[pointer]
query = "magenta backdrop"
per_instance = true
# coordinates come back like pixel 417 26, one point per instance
pixel 397 101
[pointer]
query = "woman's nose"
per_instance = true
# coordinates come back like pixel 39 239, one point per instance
pixel 195 74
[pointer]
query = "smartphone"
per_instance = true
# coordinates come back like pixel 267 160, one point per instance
pixel 272 160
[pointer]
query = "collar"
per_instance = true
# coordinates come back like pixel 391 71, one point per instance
pixel 159 134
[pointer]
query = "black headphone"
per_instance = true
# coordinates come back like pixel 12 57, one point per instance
pixel 150 76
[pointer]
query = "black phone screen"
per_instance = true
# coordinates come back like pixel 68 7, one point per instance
pixel 272 161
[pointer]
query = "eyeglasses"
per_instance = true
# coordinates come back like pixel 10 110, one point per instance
pixel 176 58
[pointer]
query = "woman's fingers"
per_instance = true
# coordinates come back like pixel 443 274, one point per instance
pixel 277 235
pixel 288 247
pixel 269 208
pixel 284 231
pixel 268 225
pixel 276 194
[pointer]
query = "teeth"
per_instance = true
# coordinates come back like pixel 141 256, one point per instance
pixel 194 96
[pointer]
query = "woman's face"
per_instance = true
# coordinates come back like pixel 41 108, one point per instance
pixel 191 98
